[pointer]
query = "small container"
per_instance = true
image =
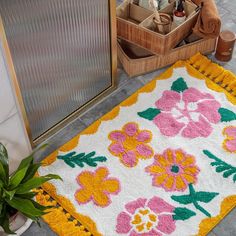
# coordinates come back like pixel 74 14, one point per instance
pixel 164 24
pixel 179 15
pixel 225 46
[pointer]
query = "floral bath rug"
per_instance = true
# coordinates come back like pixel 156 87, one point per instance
pixel 161 163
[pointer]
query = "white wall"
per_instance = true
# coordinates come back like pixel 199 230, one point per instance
pixel 12 132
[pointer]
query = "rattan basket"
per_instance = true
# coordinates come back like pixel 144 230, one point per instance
pixel 137 61
pixel 135 24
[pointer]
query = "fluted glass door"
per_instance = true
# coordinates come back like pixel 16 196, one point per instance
pixel 61 51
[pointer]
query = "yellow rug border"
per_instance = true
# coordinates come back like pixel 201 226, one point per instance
pixel 198 66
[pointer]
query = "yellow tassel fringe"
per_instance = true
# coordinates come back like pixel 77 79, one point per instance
pixel 198 66
pixel 58 220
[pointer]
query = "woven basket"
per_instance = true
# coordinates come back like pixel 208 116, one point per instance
pixel 137 61
pixel 135 24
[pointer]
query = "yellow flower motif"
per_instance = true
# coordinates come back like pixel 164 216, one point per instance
pixel 96 187
pixel 173 170
pixel 131 144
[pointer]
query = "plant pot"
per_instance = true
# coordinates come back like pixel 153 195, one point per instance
pixel 18 224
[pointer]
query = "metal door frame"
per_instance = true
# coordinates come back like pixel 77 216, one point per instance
pixel 72 116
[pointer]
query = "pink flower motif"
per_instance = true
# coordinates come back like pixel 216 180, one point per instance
pixel 189 113
pixel 130 144
pixel 144 217
pixel 229 143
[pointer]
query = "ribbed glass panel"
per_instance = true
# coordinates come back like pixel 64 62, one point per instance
pixel 61 54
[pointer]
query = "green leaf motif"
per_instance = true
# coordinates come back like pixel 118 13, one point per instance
pixel 226 115
pixel 221 166
pixel 205 196
pixel 72 159
pixel 194 197
pixel 228 173
pixel 179 85
pixel 183 199
pixel 149 114
pixel 182 213
pixel 234 178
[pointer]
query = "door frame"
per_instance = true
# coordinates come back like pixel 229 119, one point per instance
pixel 76 113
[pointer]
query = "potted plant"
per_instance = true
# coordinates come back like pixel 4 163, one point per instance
pixel 17 195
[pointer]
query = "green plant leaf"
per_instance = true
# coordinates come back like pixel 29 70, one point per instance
pixel 40 207
pixel 4 220
pixel 31 172
pixel 4 162
pixel 38 149
pixel 9 194
pixel 19 174
pixel 72 159
pixel 183 213
pixel 25 162
pixel 179 85
pixel 150 113
pixel 25 206
pixel 29 195
pixel 1 205
pixel 3 177
pixel 184 199
pixel 35 183
pixel 34 218
pixel 16 179
pixel 6 226
pixel 21 171
pixel 205 196
pixel 226 115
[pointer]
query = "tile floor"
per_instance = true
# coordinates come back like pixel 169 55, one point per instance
pixel 126 87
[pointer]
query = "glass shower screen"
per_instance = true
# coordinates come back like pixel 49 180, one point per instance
pixel 61 52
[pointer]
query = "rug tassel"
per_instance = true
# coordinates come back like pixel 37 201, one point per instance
pixel 214 72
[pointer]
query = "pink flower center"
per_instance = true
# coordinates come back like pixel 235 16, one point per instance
pixel 144 220
pixel 185 112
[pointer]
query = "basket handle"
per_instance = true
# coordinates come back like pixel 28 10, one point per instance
pixel 154 5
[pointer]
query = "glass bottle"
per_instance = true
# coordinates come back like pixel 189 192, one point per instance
pixel 179 15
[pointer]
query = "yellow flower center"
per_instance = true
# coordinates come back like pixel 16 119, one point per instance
pixel 144 220
pixel 130 143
